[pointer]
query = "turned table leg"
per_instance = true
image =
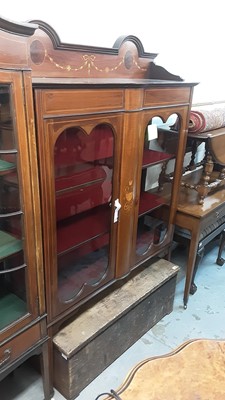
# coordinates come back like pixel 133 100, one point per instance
pixel 199 256
pixel 191 264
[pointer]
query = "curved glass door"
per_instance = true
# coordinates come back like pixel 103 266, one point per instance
pixel 159 155
pixel 83 191
pixel 12 264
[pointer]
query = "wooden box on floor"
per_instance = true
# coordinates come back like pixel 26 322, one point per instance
pixel 90 343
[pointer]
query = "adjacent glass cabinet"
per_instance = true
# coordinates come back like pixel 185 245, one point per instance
pixel 23 329
pixel 13 266
pixel 18 303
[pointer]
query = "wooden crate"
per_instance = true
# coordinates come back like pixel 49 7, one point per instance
pixel 90 343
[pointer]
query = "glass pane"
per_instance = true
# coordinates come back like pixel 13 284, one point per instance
pixel 13 292
pixel 6 125
pixel 83 184
pixel 12 271
pixel 12 267
pixel 11 234
pixel 159 156
pixel 9 185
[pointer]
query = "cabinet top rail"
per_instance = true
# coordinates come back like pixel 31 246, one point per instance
pixel 36 46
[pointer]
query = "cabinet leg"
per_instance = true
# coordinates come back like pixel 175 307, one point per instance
pixel 220 260
pixel 46 373
pixel 168 254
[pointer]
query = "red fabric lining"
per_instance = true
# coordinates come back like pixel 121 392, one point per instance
pixel 74 256
pixel 78 178
pixel 80 200
pixel 151 157
pixel 74 146
pixel 83 227
pixel 148 202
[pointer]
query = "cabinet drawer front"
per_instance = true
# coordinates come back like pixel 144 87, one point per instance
pixel 166 96
pixel 214 219
pixel 19 345
pixel 70 102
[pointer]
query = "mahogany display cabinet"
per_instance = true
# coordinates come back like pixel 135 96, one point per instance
pixel 102 158
pixel 88 136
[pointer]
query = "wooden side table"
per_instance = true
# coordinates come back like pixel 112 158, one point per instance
pixel 214 154
pixel 195 370
pixel 212 160
pixel 199 224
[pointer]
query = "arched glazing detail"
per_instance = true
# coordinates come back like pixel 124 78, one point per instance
pixel 159 157
pixel 83 190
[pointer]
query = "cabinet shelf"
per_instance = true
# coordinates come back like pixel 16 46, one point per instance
pixel 78 230
pixel 8 151
pixel 81 191
pixel 152 157
pixel 9 245
pixel 78 179
pixel 12 308
pixel 6 167
pixel 149 202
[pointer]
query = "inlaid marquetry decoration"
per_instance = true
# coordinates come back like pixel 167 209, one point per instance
pixel 88 61
pixel 128 196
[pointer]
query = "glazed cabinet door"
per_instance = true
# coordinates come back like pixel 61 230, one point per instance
pixel 79 177
pixel 18 280
pixel 161 161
